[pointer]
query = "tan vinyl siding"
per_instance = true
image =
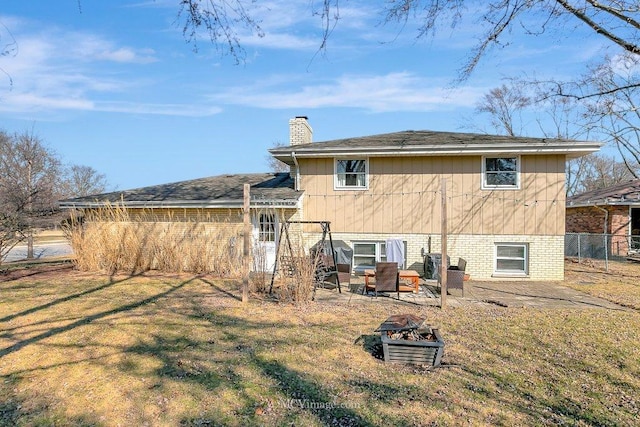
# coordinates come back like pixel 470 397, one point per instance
pixel 404 197
pixel 187 215
pixel 228 219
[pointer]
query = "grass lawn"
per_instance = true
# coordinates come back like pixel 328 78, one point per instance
pixel 81 349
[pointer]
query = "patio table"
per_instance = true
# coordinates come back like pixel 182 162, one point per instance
pixel 410 275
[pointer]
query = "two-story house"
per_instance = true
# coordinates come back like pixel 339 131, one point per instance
pixel 505 197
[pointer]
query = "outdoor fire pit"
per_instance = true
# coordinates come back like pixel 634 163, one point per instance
pixel 408 339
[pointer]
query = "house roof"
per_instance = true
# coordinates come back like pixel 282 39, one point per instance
pixel 625 193
pixel 430 143
pixel 222 191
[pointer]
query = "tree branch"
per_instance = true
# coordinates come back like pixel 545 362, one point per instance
pixel 629 47
pixel 615 12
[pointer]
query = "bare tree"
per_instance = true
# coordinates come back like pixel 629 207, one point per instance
pixel 615 110
pixel 602 171
pixel 222 20
pixel 618 21
pixel 561 120
pixel 274 164
pixel 80 181
pixel 11 233
pixel 11 227
pixel 8 47
pixel 29 183
pixel 504 105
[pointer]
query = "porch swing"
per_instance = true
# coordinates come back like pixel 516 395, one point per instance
pixel 326 266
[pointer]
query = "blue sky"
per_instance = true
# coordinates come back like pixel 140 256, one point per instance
pixel 113 84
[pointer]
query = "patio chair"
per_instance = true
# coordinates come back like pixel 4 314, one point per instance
pixel 387 278
pixel 455 278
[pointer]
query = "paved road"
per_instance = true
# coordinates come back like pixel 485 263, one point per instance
pixel 46 250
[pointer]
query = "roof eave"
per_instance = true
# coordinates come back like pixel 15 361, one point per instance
pixel 571 150
pixel 601 202
pixel 184 204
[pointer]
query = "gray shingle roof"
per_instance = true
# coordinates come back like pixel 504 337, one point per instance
pixel 216 191
pixel 619 194
pixel 434 143
pixel 420 138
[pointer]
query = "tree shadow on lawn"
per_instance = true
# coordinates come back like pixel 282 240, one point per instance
pixel 40 413
pixel 13 272
pixel 216 366
pixel 68 298
pixel 305 395
pixel 12 413
pixel 548 402
pixel 215 363
pixel 87 319
pixel 551 409
pixel 15 410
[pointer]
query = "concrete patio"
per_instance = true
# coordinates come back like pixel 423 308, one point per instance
pixel 503 294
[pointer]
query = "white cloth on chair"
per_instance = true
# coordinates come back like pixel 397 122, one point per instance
pixel 394 249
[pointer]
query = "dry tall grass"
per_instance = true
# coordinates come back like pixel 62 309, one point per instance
pixel 111 240
pixel 297 271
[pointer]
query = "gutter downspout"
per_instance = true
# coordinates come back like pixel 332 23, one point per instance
pixel 604 235
pixel 296 184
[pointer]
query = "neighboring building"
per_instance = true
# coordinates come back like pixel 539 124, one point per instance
pixel 613 210
pixel 505 197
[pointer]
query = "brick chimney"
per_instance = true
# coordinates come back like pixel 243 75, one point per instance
pixel 299 131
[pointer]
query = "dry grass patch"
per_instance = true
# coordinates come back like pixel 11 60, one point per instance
pixel 77 349
pixel 620 284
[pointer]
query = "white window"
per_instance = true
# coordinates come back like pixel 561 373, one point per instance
pixel 366 254
pixel 501 172
pixel 351 174
pixel 267 228
pixel 512 258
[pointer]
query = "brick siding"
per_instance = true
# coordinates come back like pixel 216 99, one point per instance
pixel 590 219
pixel 546 253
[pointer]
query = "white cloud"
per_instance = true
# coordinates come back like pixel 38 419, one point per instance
pixel 297 24
pixel 281 41
pixel 399 91
pixel 55 70
pixel 158 109
pixel 31 102
pixel 88 47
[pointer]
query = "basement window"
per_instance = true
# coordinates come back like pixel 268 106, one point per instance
pixel 511 259
pixel 367 253
pixel 351 174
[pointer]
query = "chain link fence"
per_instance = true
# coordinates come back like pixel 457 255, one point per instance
pixel 600 246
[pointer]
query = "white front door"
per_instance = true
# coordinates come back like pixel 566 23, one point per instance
pixel 265 239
